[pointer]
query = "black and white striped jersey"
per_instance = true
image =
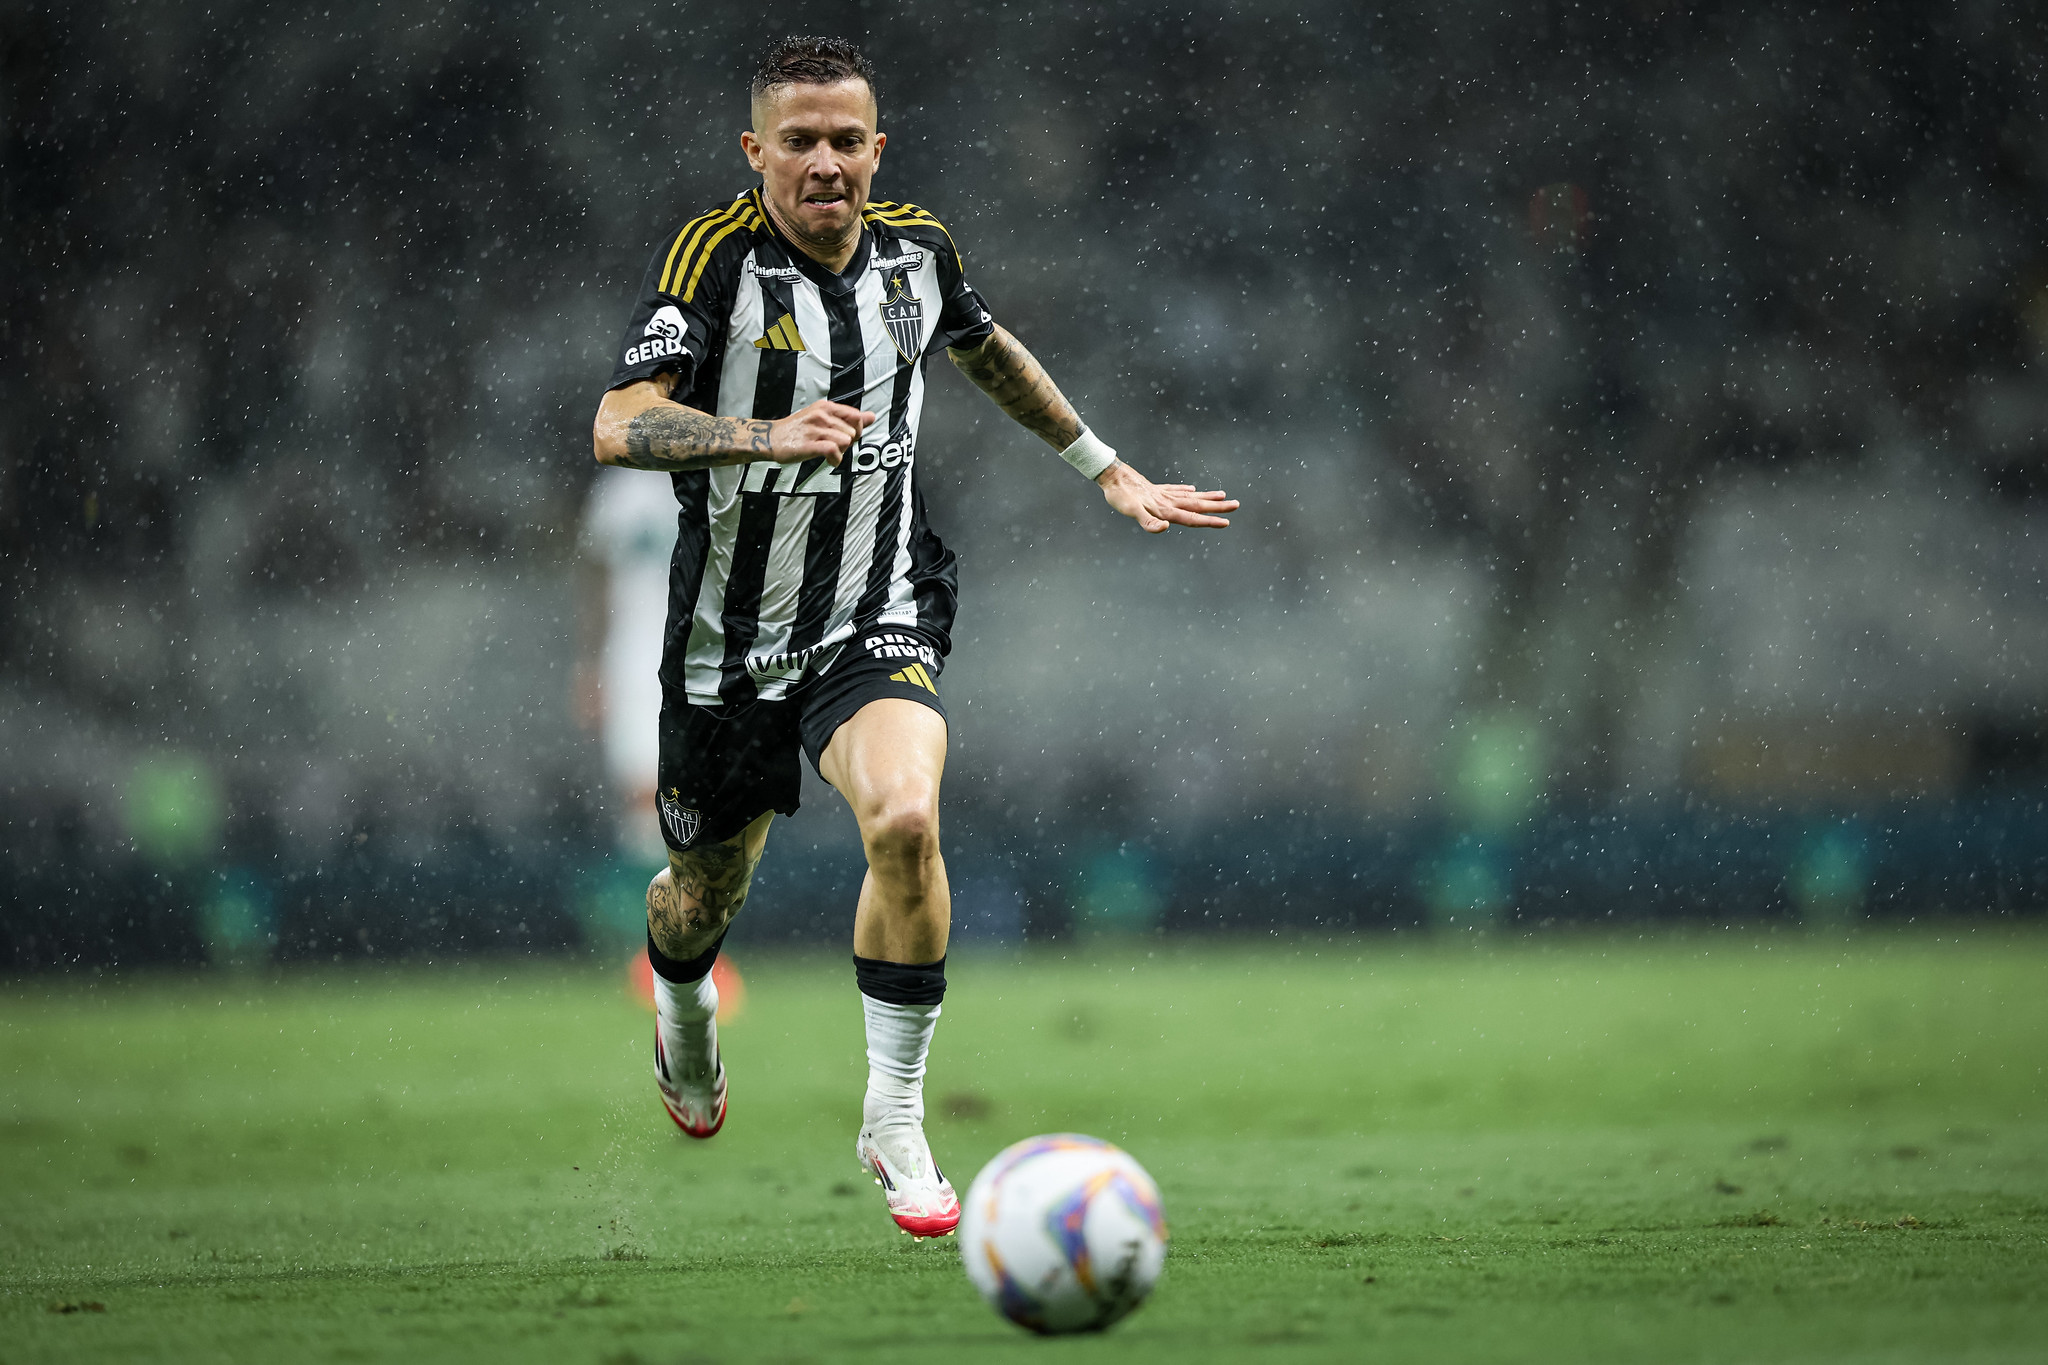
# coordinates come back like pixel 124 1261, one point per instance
pixel 777 566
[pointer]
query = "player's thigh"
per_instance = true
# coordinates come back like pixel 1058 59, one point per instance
pixel 875 727
pixel 887 759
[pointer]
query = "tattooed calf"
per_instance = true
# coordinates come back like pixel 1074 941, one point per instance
pixel 698 895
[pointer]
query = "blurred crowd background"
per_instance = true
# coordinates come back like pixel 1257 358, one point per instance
pixel 1641 414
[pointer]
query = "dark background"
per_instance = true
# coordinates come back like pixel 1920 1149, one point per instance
pixel 1639 412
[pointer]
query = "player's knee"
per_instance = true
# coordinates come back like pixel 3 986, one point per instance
pixel 903 832
pixel 661 893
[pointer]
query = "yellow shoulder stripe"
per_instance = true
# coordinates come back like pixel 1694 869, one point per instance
pixel 746 222
pixel 910 215
pixel 691 239
pixel 691 233
pixel 670 264
pixel 899 213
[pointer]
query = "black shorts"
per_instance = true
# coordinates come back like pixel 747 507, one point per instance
pixel 720 772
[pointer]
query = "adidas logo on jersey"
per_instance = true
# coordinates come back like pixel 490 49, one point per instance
pixel 917 677
pixel 783 336
pixel 665 331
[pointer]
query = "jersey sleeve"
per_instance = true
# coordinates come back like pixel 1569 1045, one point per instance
pixel 679 317
pixel 963 317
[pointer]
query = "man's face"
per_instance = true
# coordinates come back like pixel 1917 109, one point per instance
pixel 816 149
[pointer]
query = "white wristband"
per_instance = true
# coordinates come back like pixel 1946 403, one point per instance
pixel 1089 454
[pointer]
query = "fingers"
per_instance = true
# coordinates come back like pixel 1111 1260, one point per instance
pixel 858 419
pixel 1185 507
pixel 1198 509
pixel 824 437
pixel 823 428
pixel 846 425
pixel 838 429
pixel 1158 506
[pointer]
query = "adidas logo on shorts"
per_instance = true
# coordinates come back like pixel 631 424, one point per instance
pixel 916 676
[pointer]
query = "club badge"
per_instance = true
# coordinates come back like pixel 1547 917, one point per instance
pixel 903 313
pixel 679 821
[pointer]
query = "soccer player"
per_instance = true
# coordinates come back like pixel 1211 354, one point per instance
pixel 774 366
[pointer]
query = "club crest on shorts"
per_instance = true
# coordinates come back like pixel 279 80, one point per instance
pixel 679 821
pixel 903 312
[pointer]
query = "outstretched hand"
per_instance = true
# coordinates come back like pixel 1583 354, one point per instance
pixel 1156 506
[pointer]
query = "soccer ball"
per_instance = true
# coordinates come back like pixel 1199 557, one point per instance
pixel 1063 1233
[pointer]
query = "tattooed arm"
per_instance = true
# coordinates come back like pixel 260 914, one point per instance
pixel 673 438
pixel 640 427
pixel 1015 382
pixel 1001 368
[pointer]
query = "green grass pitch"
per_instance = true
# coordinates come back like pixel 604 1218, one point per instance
pixel 1726 1146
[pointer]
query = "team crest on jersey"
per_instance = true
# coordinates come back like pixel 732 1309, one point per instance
pixel 902 311
pixel 679 821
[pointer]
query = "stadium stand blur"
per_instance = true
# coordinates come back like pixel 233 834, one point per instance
pixel 1640 417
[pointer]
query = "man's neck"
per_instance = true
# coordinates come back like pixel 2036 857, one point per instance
pixel 834 259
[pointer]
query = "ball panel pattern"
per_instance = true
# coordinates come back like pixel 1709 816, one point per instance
pixel 1063 1233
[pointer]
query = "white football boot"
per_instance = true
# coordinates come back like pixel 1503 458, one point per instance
pixel 696 1103
pixel 920 1198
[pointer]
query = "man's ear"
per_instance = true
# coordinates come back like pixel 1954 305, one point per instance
pixel 751 145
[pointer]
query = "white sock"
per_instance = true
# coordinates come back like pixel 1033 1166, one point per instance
pixel 688 1015
pixel 899 1036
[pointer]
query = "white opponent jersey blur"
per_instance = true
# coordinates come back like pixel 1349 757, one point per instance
pixel 777 566
pixel 629 526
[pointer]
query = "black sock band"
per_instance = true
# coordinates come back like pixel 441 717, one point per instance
pixel 900 983
pixel 682 973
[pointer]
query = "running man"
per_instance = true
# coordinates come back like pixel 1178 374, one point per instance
pixel 774 366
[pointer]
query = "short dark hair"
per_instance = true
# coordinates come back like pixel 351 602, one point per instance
pixel 811 61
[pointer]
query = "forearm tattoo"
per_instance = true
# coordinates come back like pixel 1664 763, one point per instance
pixel 1001 368
pixel 674 440
pixel 704 889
